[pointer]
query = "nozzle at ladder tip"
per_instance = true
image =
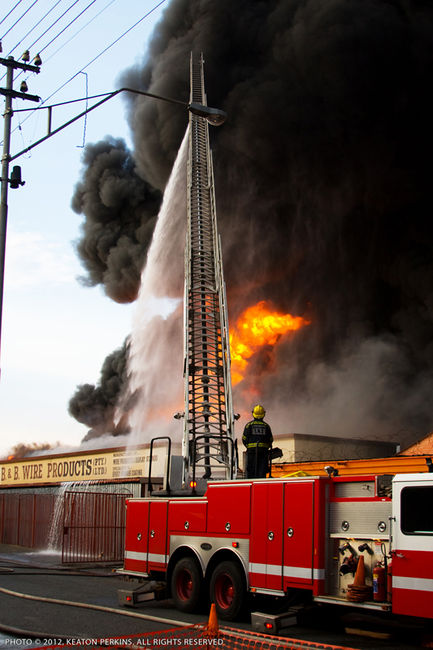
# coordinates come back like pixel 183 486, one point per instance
pixel 212 624
pixel 214 116
pixel 359 580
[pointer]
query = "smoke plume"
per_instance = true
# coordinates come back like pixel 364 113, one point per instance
pixel 120 211
pixel 323 181
pixel 23 450
pixel 95 406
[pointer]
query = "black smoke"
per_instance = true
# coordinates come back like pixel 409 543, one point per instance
pixel 120 210
pixel 95 406
pixel 22 449
pixel 323 179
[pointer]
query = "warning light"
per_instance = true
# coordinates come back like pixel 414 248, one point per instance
pixel 129 598
pixel 235 544
pixel 268 626
pixel 193 484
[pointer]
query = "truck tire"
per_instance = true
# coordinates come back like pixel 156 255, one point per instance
pixel 228 590
pixel 186 585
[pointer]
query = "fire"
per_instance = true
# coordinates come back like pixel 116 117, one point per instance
pixel 257 326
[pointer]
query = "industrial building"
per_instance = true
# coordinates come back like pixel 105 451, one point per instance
pixel 74 502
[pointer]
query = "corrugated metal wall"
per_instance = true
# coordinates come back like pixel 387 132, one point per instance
pixel 25 519
pixel 38 519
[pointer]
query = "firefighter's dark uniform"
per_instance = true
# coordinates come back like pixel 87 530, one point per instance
pixel 257 438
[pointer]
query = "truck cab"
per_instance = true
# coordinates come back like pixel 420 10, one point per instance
pixel 412 545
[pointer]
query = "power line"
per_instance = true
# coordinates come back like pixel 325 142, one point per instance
pixel 64 28
pixel 52 25
pixel 82 28
pixel 34 26
pixel 79 31
pixel 9 13
pixel 17 21
pixel 94 59
pixel 105 49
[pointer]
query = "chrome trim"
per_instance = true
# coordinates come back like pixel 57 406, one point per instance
pixel 217 544
pixel 268 592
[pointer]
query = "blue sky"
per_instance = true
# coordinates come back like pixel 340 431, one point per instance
pixel 56 333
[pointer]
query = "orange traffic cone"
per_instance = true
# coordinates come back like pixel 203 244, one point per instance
pixel 359 580
pixel 358 591
pixel 212 624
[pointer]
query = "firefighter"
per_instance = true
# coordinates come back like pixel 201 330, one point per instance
pixel 257 438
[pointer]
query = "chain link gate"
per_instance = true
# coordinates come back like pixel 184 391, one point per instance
pixel 93 527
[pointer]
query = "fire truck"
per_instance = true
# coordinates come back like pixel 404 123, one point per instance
pixel 290 538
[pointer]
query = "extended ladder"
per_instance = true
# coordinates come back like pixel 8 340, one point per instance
pixel 208 440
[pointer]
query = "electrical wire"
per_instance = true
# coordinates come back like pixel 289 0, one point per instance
pixel 106 49
pixel 90 62
pixel 41 105
pixel 60 33
pixel 64 28
pixel 34 26
pixel 50 27
pixel 9 13
pixel 87 106
pixel 47 59
pixel 78 32
pixel 17 21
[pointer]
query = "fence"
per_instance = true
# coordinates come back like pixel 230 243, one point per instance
pixel 87 526
pixel 93 527
pixel 25 519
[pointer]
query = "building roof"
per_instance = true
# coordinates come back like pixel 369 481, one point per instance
pixel 423 446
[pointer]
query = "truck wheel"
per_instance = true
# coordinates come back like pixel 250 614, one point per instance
pixel 227 590
pixel 186 585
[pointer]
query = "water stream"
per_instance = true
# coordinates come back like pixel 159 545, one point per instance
pixel 55 535
pixel 156 355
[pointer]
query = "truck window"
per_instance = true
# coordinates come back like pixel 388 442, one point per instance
pixel 416 510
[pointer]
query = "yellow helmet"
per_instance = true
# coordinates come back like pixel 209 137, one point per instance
pixel 259 412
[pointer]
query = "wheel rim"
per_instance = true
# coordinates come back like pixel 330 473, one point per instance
pixel 224 591
pixel 184 585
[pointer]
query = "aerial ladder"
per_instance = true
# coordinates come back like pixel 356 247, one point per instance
pixel 208 447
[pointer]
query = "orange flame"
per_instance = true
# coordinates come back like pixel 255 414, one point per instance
pixel 258 326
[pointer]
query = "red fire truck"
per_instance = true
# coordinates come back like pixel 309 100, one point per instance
pixel 290 537
pixel 282 537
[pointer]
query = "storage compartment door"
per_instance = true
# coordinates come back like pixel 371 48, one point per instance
pixel 137 516
pixel 157 544
pixel 266 540
pixel 298 534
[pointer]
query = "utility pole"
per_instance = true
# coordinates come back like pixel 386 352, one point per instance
pixel 15 180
